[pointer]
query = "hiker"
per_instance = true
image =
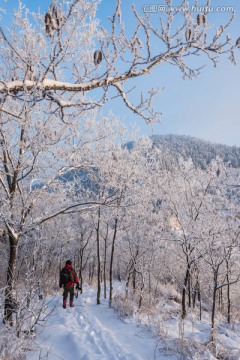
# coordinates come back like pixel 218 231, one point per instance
pixel 68 278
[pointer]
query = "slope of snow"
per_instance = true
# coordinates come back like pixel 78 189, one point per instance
pixel 91 332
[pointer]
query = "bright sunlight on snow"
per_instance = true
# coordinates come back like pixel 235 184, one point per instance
pixel 89 331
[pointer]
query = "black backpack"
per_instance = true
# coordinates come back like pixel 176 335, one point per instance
pixel 66 276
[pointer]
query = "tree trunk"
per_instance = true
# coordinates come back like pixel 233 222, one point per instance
pixel 81 264
pixel 119 277
pixel 128 275
pixel 194 296
pixel 111 262
pixel 214 307
pixel 200 302
pixel 221 300
pixel 189 292
pixel 228 305
pixel 228 298
pixel 141 292
pixel 197 294
pixel 105 265
pixel 104 271
pixel 149 287
pixel 80 268
pixel 98 260
pixel 9 301
pixel 184 292
pixel 92 266
pixel 134 280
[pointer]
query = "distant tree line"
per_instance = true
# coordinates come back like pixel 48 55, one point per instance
pixel 201 152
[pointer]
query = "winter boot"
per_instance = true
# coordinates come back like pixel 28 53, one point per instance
pixel 64 303
pixel 71 303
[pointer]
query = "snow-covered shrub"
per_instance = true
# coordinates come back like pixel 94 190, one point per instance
pixel 13 347
pixel 124 307
pixel 185 349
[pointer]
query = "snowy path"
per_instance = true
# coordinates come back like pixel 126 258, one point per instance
pixel 91 332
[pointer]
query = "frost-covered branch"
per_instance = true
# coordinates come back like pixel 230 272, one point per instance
pixel 70 57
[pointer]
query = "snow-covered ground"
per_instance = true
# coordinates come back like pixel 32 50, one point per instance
pixel 91 332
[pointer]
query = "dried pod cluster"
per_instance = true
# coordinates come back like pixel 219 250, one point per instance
pixel 201 19
pixel 53 19
pixel 188 34
pixel 97 57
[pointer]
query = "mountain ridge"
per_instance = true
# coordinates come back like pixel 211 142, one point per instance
pixel 202 152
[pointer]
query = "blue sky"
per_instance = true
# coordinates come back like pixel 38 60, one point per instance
pixel 207 107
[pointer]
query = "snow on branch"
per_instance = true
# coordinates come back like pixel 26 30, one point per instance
pixel 76 56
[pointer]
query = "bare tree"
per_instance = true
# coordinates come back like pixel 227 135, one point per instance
pixel 220 253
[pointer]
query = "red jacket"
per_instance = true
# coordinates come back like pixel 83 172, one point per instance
pixel 76 281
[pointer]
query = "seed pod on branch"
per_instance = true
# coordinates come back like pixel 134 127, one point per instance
pixel 56 14
pixel 97 57
pixel 201 19
pixel 53 19
pixel 238 43
pixel 48 24
pixel 188 34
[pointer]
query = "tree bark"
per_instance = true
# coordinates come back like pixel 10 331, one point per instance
pixel 184 292
pixel 9 301
pixel 111 262
pixel 141 292
pixel 80 268
pixel 128 275
pixel 189 292
pixel 214 307
pixel 98 260
pixel 92 266
pixel 228 297
pixel 105 265
pixel 200 302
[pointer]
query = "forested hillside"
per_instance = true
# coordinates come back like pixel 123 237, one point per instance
pixel 202 152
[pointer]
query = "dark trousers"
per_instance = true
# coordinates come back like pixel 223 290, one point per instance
pixel 70 290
